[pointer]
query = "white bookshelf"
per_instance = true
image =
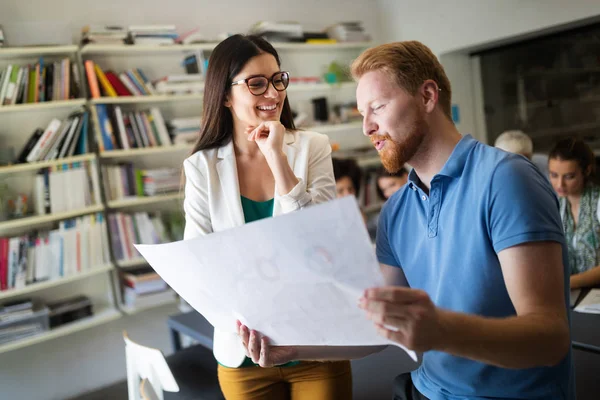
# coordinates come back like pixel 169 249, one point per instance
pixel 36 51
pixel 145 151
pixel 33 166
pixel 147 99
pixel 144 201
pixel 37 220
pixel 101 316
pixel 47 105
pixel 36 287
pixel 333 128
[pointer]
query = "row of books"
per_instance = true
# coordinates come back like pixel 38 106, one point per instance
pixel 138 228
pixel 77 245
pixel 124 181
pixel 143 287
pixel 132 82
pixel 52 191
pixel 59 139
pixel 127 130
pixel 39 82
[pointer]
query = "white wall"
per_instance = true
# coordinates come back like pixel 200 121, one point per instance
pixel 87 360
pixel 453 28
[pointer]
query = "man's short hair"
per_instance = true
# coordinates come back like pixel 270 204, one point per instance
pixel 409 64
pixel 515 141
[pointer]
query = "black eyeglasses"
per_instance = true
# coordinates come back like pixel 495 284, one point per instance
pixel 258 85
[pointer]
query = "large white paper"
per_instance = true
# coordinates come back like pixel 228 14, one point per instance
pixel 590 303
pixel 296 278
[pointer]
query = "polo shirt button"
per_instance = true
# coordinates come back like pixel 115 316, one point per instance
pixel 424 198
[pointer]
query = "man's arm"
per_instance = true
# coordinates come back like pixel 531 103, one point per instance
pixel 589 278
pixel 537 336
pixel 393 276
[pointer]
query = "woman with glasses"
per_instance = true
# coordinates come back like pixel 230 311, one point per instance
pixel 571 166
pixel 251 163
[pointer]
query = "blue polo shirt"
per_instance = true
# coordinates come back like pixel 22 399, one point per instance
pixel 482 201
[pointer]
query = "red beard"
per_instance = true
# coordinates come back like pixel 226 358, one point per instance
pixel 396 153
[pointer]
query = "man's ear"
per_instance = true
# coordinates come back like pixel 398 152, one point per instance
pixel 430 92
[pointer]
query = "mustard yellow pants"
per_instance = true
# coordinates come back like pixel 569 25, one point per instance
pixel 305 381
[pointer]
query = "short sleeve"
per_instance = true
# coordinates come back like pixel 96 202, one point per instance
pixel 383 248
pixel 522 207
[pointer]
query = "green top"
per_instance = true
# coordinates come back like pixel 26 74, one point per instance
pixel 583 239
pixel 254 211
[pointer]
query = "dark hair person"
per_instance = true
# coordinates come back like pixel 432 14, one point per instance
pixel 571 166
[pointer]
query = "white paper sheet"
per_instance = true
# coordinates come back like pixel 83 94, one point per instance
pixel 590 303
pixel 296 278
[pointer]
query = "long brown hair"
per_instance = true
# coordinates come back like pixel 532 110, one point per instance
pixel 227 59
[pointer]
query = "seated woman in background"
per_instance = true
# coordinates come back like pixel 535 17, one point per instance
pixel 388 184
pixel 571 168
pixel 348 176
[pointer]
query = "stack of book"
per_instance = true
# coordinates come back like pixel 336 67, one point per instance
pixel 60 139
pixel 100 34
pixel 124 181
pixel 118 129
pixel 22 319
pixel 152 34
pixel 131 82
pixel 184 130
pixel 278 31
pixel 144 288
pixel 348 32
pixel 138 228
pixel 180 84
pixel 78 245
pixel 39 82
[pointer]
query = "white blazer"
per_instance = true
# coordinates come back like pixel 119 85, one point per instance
pixel 212 200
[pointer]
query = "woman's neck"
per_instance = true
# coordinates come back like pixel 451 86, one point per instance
pixel 241 144
pixel 574 199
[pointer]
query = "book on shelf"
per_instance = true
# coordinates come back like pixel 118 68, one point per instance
pixel 59 139
pixel 131 82
pixel 30 318
pixel 69 310
pixel 40 82
pixel 103 34
pixel 76 245
pixel 124 181
pixel 140 228
pixel 129 130
pixel 51 192
pixel 152 34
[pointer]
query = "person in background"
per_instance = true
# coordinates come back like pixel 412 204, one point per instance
pixel 249 163
pixel 348 177
pixel 518 142
pixel 389 183
pixel 572 172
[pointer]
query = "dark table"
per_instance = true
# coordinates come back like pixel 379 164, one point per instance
pixel 191 324
pixel 585 332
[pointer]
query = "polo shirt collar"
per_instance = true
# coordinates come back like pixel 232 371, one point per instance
pixel 454 165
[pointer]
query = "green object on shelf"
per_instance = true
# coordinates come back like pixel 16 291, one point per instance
pixel 336 73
